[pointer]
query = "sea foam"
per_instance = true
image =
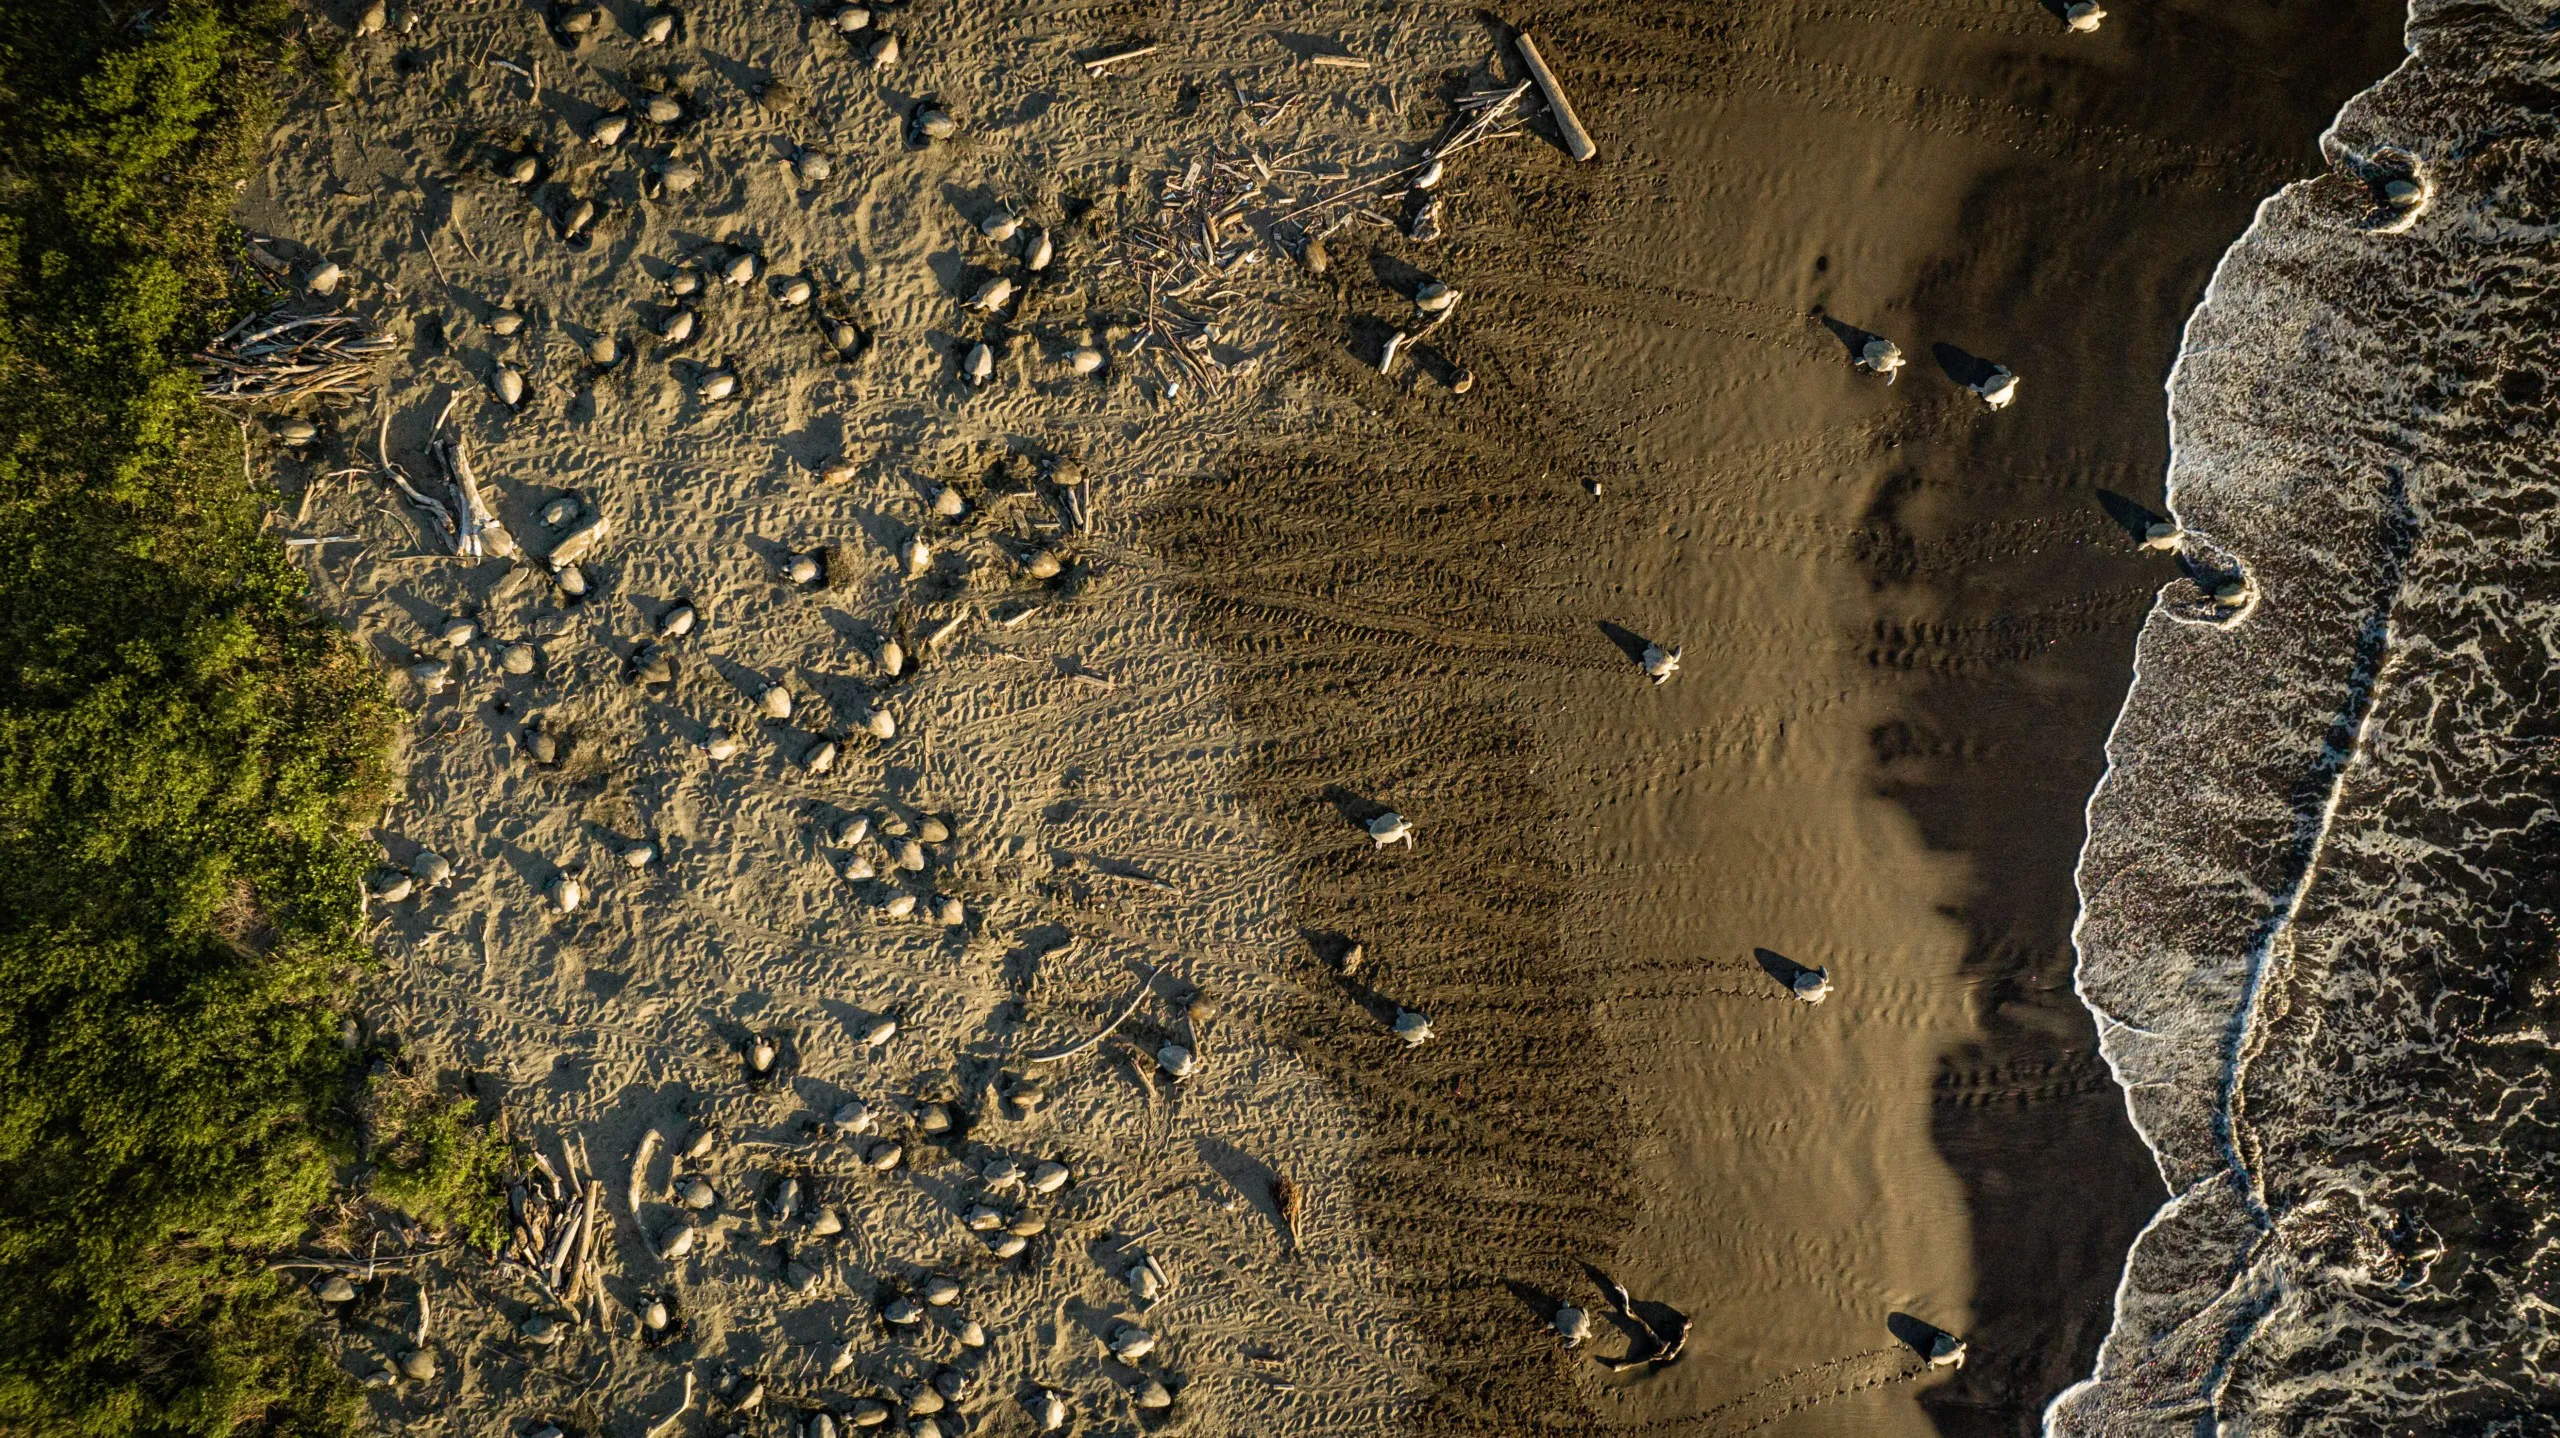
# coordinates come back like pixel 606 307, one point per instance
pixel 2319 889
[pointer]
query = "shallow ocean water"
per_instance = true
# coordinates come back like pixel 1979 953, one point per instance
pixel 2320 883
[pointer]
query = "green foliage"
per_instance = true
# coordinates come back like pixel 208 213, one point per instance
pixel 434 1162
pixel 184 748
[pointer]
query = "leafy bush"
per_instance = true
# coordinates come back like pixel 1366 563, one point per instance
pixel 184 751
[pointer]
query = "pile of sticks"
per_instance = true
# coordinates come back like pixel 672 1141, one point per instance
pixel 1211 218
pixel 1181 255
pixel 275 358
pixel 554 1233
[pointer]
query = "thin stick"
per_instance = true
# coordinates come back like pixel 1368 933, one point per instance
pixel 1338 62
pixel 663 1424
pixel 316 540
pixel 1107 1029
pixel 639 1166
pixel 1094 66
pixel 1577 140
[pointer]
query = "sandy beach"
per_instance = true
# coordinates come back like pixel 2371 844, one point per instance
pixel 1189 622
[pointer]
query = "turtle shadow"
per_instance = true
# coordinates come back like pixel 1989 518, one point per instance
pixel 1961 365
pixel 2130 515
pixel 1630 643
pixel 1378 1005
pixel 1535 1299
pixel 1852 338
pixel 1778 966
pixel 1917 1334
pixel 1250 1177
pixel 1356 809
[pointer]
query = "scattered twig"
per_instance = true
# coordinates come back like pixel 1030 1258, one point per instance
pixel 1094 66
pixel 1107 1029
pixel 640 1167
pixel 663 1424
pixel 1338 62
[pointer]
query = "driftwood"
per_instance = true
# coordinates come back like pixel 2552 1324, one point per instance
pixel 639 1168
pixel 1107 1029
pixel 1338 62
pixel 1095 66
pixel 1290 1204
pixel 392 472
pixel 663 1424
pixel 294 358
pixel 365 1266
pixel 482 534
pixel 1577 140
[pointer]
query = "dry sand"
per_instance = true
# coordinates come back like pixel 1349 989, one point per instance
pixel 1307 594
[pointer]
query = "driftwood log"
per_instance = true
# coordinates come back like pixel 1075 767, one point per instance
pixel 1577 140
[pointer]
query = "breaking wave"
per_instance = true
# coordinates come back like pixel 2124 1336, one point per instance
pixel 2320 885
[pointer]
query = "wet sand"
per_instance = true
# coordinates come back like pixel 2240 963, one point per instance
pixel 1907 622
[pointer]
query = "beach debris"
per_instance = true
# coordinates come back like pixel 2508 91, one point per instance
pixel 1391 828
pixel 1413 1028
pixel 1099 63
pixel 1129 1343
pixel 277 358
pixel 1577 140
pixel 668 1423
pixel 1659 1349
pixel 1660 663
pixel 2082 16
pixel 1881 356
pixel 1394 346
pixel 565 893
pixel 1572 1325
pixel 1289 1203
pixel 1998 388
pixel 1176 1060
pixel 979 364
pixel 1811 985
